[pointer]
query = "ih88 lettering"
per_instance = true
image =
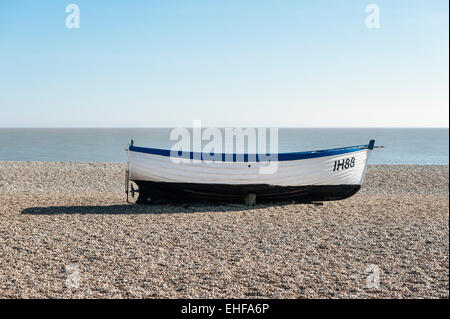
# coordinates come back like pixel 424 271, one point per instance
pixel 345 163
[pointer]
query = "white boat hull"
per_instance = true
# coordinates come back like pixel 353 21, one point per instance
pixel 314 171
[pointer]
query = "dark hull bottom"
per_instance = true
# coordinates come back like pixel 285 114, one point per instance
pixel 191 192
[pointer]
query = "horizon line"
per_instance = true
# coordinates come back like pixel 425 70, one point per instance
pixel 206 126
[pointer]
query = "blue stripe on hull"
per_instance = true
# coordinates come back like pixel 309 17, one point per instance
pixel 257 158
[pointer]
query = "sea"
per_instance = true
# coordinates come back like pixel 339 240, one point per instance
pixel 423 146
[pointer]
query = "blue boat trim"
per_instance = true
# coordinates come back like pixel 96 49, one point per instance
pixel 255 157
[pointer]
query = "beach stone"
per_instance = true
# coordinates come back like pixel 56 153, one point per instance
pixel 66 231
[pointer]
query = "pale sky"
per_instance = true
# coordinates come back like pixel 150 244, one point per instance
pixel 226 63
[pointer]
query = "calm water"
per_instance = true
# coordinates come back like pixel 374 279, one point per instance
pixel 402 146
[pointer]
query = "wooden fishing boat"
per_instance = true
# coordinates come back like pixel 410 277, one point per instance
pixel 323 175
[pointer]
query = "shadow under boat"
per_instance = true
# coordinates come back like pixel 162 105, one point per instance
pixel 190 204
pixel 152 209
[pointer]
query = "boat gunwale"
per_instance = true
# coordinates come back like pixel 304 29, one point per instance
pixel 226 157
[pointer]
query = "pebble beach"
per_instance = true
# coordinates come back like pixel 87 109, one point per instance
pixel 66 231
